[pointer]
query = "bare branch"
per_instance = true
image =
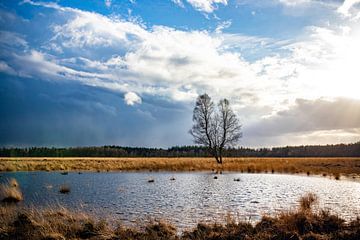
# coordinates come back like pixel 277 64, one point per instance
pixel 215 129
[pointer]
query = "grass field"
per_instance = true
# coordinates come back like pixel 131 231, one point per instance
pixel 321 166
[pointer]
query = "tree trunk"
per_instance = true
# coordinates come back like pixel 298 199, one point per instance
pixel 220 156
pixel 217 155
pixel 220 159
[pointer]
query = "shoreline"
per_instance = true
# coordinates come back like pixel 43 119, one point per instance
pixel 337 168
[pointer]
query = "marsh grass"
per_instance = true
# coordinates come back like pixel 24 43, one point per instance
pixel 308 201
pixel 10 192
pixel 310 166
pixel 60 223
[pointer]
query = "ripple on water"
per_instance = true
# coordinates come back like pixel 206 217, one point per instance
pixel 193 197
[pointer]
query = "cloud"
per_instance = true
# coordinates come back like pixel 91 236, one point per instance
pixel 311 115
pixel 223 25
pixel 161 61
pixel 132 98
pixel 294 2
pixel 12 38
pixel 108 3
pixel 207 6
pixel 346 6
pixel 179 3
pixel 79 115
pixel 126 56
pixel 318 121
pixel 4 67
pixel 262 77
pixel 85 29
pixel 45 66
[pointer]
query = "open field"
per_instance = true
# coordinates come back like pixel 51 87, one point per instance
pixel 58 223
pixel 323 166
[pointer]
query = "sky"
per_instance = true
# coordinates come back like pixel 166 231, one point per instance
pixel 127 72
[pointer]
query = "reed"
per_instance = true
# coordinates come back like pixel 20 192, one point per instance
pixel 10 192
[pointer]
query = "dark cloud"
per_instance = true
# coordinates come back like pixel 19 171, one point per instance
pixel 40 113
pixel 310 115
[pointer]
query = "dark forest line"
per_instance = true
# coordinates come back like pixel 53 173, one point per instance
pixel 335 150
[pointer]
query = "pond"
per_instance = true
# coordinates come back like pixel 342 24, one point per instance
pixel 190 198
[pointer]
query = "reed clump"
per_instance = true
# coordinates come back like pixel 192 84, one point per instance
pixel 64 189
pixel 59 223
pixel 308 201
pixel 10 192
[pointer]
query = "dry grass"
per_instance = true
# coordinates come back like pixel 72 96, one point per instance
pixel 60 223
pixel 307 201
pixel 334 167
pixel 10 192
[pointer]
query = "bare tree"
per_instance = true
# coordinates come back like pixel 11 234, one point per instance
pixel 215 128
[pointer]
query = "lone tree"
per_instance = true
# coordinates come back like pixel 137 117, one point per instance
pixel 215 128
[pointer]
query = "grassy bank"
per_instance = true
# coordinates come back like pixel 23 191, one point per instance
pixel 60 223
pixel 325 166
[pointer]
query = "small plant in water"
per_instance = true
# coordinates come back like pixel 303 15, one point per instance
pixel 64 189
pixel 307 201
pixel 13 183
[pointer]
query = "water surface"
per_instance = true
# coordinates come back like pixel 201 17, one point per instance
pixel 190 198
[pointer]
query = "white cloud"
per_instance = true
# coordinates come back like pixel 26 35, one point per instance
pixel 346 6
pixel 4 67
pixel 223 25
pixel 179 64
pixel 294 2
pixel 207 6
pixel 45 66
pixel 12 38
pixel 108 3
pixel 87 29
pixel 179 3
pixel 132 98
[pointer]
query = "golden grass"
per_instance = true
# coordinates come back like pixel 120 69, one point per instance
pixel 334 167
pixel 10 192
pixel 59 223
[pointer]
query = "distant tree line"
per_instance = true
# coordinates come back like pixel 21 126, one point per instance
pixel 337 150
